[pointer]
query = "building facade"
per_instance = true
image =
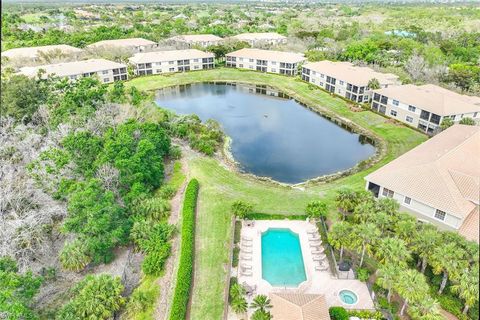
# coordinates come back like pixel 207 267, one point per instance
pixel 201 40
pixel 263 38
pixel 106 71
pixel 159 62
pixel 345 79
pixel 425 107
pixel 286 63
pixel 438 182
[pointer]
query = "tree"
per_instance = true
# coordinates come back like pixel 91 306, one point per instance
pixel 405 227
pixel 463 76
pixel 261 302
pixel 95 297
pixel 261 315
pixel 423 244
pixel 316 209
pixel 392 251
pixel 415 67
pixel 365 235
pixel 412 286
pixel 388 205
pixel 365 212
pixel 466 286
pixel 345 201
pixel 240 209
pixel 467 121
pixel 446 123
pixel 374 84
pixel 237 298
pixel 340 236
pixel 449 260
pixel 425 309
pixel 74 256
pixel 387 277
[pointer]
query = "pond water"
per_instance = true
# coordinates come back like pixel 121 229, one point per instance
pixel 272 135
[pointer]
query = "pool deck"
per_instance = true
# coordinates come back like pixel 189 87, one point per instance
pixel 318 282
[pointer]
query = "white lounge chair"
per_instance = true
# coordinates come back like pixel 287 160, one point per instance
pixel 316 252
pixel 247 250
pixel 314 238
pixel 321 268
pixel 319 257
pixel 315 244
pixel 246 244
pixel 246 257
pixel 246 273
pixel 246 266
pixel 246 238
pixel 312 231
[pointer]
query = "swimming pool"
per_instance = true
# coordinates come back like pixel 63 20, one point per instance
pixel 282 259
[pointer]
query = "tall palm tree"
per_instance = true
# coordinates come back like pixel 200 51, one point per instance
pixel 365 235
pixel 382 220
pixel 345 201
pixel 387 277
pixel 426 309
pixel 466 286
pixel 423 243
pixel 388 205
pixel 392 251
pixel 406 227
pixel 74 256
pixel 340 236
pixel 412 286
pixel 261 315
pixel 449 260
pixel 261 302
pixel 364 212
pixel 239 305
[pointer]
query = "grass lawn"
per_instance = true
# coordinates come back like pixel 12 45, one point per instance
pixel 219 187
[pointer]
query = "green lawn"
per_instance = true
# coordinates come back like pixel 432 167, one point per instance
pixel 219 187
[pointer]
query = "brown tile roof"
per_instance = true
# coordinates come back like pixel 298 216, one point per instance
pixel 443 172
pixel 289 306
pixel 66 69
pixel 270 55
pixel 433 98
pixel 157 56
pixel 259 36
pixel 346 71
pixel 131 42
pixel 196 37
pixel 33 52
pixel 470 226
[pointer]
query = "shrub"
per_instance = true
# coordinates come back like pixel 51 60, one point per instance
pixel 366 314
pixel 236 252
pixel 154 261
pixel 185 270
pixel 338 313
pixel 74 256
pixel 316 209
pixel 175 152
pixel 240 209
pixel 363 274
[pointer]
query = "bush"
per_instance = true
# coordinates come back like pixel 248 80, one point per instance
pixel 366 314
pixel 236 252
pixel 338 313
pixel 155 261
pixel 363 274
pixel 240 209
pixel 185 270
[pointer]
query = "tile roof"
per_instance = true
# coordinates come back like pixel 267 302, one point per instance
pixel 470 226
pixel 72 68
pixel 433 98
pixel 346 71
pixel 156 56
pixel 288 306
pixel 271 55
pixel 131 42
pixel 33 52
pixel 196 37
pixel 259 36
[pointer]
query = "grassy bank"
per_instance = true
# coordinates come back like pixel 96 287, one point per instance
pixel 220 187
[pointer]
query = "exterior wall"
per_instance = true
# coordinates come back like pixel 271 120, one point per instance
pixel 338 86
pixel 180 65
pixel 412 115
pixel 424 212
pixel 262 65
pixel 105 76
pixel 203 44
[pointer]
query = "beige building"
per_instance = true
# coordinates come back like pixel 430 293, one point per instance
pixel 133 44
pixel 286 63
pixel 345 79
pixel 107 71
pixel 424 107
pixel 201 40
pixel 34 53
pixel 171 61
pixel 438 182
pixel 255 39
pixel 298 306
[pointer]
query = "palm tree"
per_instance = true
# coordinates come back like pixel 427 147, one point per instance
pixel 448 259
pixel 392 251
pixel 365 235
pixel 412 286
pixel 239 305
pixel 236 290
pixel 261 315
pixel 374 84
pixel 340 236
pixel 388 205
pixel 261 302
pixel 74 256
pixel 387 276
pixel 316 209
pixel 406 227
pixel 382 220
pixel 345 201
pixel 364 212
pixel 423 244
pixel 426 309
pixel 466 286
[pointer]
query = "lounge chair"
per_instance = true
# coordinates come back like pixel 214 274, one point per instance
pixel 315 244
pixel 246 266
pixel 319 257
pixel 315 252
pixel 246 243
pixel 312 232
pixel 246 250
pixel 246 273
pixel 246 238
pixel 314 238
pixel 321 268
pixel 246 257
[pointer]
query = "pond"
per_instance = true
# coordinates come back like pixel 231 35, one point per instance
pixel 272 135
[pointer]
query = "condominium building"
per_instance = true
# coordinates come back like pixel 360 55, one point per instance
pixel 438 182
pixel 201 40
pixel 265 60
pixel 171 61
pixel 107 71
pixel 345 79
pixel 255 39
pixel 35 53
pixel 424 107
pixel 132 44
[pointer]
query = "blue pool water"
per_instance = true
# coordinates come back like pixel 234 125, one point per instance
pixel 282 260
pixel 348 297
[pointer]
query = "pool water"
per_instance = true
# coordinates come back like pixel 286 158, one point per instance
pixel 348 297
pixel 282 259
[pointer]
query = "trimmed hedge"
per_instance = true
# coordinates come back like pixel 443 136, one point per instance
pixel 185 269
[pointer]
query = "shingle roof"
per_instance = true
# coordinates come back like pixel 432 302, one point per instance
pixel 72 68
pixel 346 71
pixel 196 37
pixel 33 52
pixel 147 57
pixel 288 306
pixel 271 55
pixel 259 36
pixel 443 172
pixel 131 42
pixel 433 98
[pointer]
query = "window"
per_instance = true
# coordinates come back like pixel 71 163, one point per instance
pixel 171 69
pixel 425 115
pixel 313 73
pixel 435 118
pixel 440 215
pixel 409 119
pixel 159 70
pixel 105 80
pixel 251 60
pixel 322 75
pixel 393 113
pixel 274 70
pixel 395 102
pixel 475 114
pixel 387 193
pixel 195 60
pixel 407 200
pixel 171 62
pixel 274 63
pixel 411 108
pixel 341 82
pixel 320 83
pixel 197 67
pixel 240 59
pixel 105 72
pixel 240 65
